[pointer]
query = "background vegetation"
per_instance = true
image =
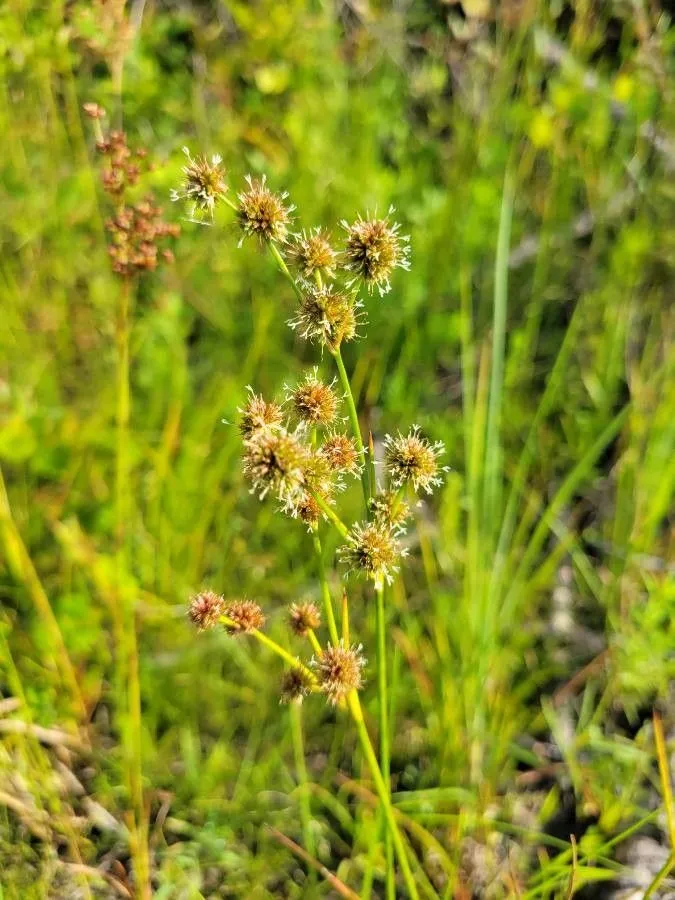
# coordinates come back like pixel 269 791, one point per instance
pixel 533 635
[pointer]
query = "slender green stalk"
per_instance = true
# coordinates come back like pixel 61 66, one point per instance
pixel 295 710
pixel 383 708
pixel 383 793
pixel 275 648
pixel 128 648
pixel 283 268
pixel 330 513
pixel 325 592
pixel 354 420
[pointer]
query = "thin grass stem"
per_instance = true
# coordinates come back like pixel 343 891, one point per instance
pixel 354 420
pixel 325 591
pixel 305 800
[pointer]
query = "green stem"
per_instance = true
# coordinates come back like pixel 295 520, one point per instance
pixel 383 793
pixel 383 707
pixel 283 268
pixel 301 774
pixel 354 419
pixel 330 513
pixel 325 592
pixel 275 648
pixel 128 667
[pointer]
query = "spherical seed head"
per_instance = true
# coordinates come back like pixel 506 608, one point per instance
pixel 262 213
pixel 373 249
pixel 303 617
pixel 311 252
pixel 203 184
pixel 246 616
pixel 389 510
pixel 275 460
pixel 314 401
pixel 372 551
pixel 411 459
pixel 339 670
pixel 295 685
pixel 205 609
pixel 341 454
pixel 257 414
pixel 326 316
pixel 309 512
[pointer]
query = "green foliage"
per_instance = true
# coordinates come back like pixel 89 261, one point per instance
pixel 542 358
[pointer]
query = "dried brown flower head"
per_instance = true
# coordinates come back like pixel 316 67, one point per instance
pixel 257 414
pixel 341 453
pixel 373 249
pixel 411 459
pixel 326 316
pixel 308 511
pixel 275 460
pixel 314 401
pixel 205 609
pixel 311 252
pixel 203 184
pixel 371 550
pixel 296 684
pixel 135 233
pixel 244 615
pixel 124 164
pixel 262 213
pixel 390 510
pixel 93 110
pixel 339 670
pixel 303 617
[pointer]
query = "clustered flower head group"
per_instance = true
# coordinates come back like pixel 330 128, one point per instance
pixel 137 230
pixel 298 451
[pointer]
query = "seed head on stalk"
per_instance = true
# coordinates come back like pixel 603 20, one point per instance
pixel 339 670
pixel 304 617
pixel 205 609
pixel 314 401
pixel 296 684
pixel 326 316
pixel 245 616
pixel 257 414
pixel 311 252
pixel 372 551
pixel 203 184
pixel 262 213
pixel 275 460
pixel 373 249
pixel 412 460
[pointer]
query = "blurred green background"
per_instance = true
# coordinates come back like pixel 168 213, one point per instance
pixel 533 633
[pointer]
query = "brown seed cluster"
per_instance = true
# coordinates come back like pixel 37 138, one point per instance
pixel 136 230
pixel 244 615
pixel 262 213
pixel 326 316
pixel 314 401
pixel 390 510
pixel 311 253
pixel 371 550
pixel 205 609
pixel 134 235
pixel 304 617
pixel 203 184
pixel 339 670
pixel 341 454
pixel 275 461
pixel 412 460
pixel 258 414
pixel 373 249
pixel 296 684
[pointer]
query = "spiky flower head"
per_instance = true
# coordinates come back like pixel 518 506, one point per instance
pixel 412 459
pixel 307 510
pixel 371 550
pixel 314 401
pixel 373 249
pixel 341 453
pixel 326 316
pixel 262 213
pixel 389 509
pixel 339 670
pixel 296 684
pixel 258 414
pixel 244 615
pixel 203 184
pixel 275 460
pixel 304 617
pixel 311 252
pixel 205 609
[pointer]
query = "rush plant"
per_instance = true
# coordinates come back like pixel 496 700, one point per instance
pixel 300 453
